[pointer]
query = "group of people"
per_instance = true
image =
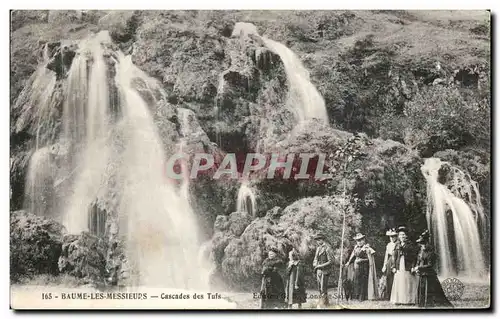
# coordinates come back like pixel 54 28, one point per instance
pixel 408 275
pixel 409 271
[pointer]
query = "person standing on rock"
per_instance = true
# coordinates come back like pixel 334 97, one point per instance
pixel 272 290
pixel 323 262
pixel 295 286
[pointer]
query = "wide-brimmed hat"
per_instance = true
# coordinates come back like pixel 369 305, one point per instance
pixel 391 232
pixel 319 236
pixel 423 238
pixel 359 236
pixel 402 229
pixel 420 239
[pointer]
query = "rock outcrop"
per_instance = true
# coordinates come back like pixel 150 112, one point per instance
pixel 35 245
pixel 239 254
pixel 84 256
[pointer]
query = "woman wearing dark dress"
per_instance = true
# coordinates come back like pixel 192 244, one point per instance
pixel 389 263
pixel 364 281
pixel 295 285
pixel 429 291
pixel 272 290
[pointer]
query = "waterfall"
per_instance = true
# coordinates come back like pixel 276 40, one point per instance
pixel 246 201
pixel 185 130
pixel 37 99
pixel 303 97
pixel 154 218
pixel 462 204
pixel 304 100
pixel 75 100
pixel 86 121
pixel 39 199
pixel 206 257
pixel 161 226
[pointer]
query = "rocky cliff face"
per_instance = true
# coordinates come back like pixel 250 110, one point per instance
pixel 398 87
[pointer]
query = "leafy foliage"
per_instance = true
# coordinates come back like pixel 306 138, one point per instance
pixel 35 245
pixel 442 118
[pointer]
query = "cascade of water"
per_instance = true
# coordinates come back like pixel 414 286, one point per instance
pixel 97 116
pixel 183 115
pixel 88 108
pixel 75 99
pixel 304 100
pixel 303 97
pixel 465 218
pixel 246 201
pixel 38 183
pixel 207 259
pixel 162 233
pixel 154 217
pixel 38 99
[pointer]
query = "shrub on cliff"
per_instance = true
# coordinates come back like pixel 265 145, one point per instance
pixel 442 118
pixel 19 18
pixel 35 245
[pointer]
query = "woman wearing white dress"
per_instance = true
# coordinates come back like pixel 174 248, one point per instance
pixel 404 286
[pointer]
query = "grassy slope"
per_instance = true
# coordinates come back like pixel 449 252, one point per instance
pixel 423 33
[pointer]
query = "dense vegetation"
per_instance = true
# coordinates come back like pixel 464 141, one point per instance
pixel 399 87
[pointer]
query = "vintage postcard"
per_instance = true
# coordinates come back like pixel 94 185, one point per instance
pixel 237 159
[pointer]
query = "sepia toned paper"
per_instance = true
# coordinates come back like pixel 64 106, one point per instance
pixel 257 160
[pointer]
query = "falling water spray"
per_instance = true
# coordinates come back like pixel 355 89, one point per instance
pixel 443 204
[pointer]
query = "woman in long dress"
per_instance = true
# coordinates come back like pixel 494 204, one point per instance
pixel 364 281
pixel 404 286
pixel 389 263
pixel 429 291
pixel 272 289
pixel 295 285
